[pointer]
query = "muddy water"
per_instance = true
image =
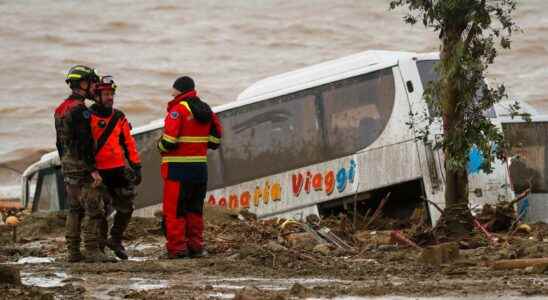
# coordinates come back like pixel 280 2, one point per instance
pixel 219 288
pixel 225 45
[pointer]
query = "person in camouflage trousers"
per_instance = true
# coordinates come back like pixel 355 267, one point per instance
pixel 76 152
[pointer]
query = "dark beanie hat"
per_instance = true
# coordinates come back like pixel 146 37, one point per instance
pixel 184 84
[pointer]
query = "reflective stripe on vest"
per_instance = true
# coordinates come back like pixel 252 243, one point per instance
pixel 169 138
pixel 185 104
pixel 184 159
pixel 214 139
pixel 193 139
pixel 186 139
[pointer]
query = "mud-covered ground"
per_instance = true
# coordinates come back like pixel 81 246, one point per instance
pixel 274 259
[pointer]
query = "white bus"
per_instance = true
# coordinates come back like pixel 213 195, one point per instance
pixel 310 141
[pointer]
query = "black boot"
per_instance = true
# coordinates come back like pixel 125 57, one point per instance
pixel 198 254
pixel 179 255
pixel 118 248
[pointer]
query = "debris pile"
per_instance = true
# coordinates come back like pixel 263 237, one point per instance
pixel 334 247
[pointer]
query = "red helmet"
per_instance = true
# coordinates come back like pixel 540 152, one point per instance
pixel 106 83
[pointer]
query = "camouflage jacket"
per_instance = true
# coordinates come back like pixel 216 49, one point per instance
pixel 74 139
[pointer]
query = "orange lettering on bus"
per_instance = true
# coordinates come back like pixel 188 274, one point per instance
pixel 307 182
pixel 329 182
pixel 297 183
pixel 233 201
pixel 257 196
pixel 266 193
pixel 244 199
pixel 317 182
pixel 276 192
pixel 211 200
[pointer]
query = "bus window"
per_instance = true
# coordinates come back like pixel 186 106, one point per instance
pixel 270 137
pixel 357 110
pixel 427 73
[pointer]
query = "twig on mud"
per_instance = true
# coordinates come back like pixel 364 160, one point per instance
pixel 378 211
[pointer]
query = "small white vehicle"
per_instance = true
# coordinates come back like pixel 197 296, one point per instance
pixel 310 141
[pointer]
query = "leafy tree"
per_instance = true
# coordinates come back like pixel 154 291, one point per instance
pixel 470 32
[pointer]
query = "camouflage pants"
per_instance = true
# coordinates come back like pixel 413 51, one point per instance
pixel 85 206
pixel 120 200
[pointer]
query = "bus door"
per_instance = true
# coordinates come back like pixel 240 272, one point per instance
pixel 431 160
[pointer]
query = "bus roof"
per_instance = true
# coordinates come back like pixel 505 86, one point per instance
pixel 318 74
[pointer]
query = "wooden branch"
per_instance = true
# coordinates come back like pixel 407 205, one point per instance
pixel 508 264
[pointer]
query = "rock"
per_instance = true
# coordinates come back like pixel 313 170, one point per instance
pixel 301 240
pixel 9 275
pixel 524 228
pixel 274 246
pixel 439 254
pixel 322 249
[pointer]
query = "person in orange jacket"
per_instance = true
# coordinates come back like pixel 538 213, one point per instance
pixel 115 145
pixel 190 128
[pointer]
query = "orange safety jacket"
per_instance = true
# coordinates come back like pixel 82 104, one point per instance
pixel 190 128
pixel 119 145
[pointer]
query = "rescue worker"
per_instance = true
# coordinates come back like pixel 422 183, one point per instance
pixel 75 146
pixel 115 144
pixel 190 128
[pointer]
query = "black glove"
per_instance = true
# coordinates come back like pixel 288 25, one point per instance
pixel 137 174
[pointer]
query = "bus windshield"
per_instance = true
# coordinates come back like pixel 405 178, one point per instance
pixel 428 73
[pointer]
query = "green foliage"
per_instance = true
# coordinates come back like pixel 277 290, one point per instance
pixel 470 32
